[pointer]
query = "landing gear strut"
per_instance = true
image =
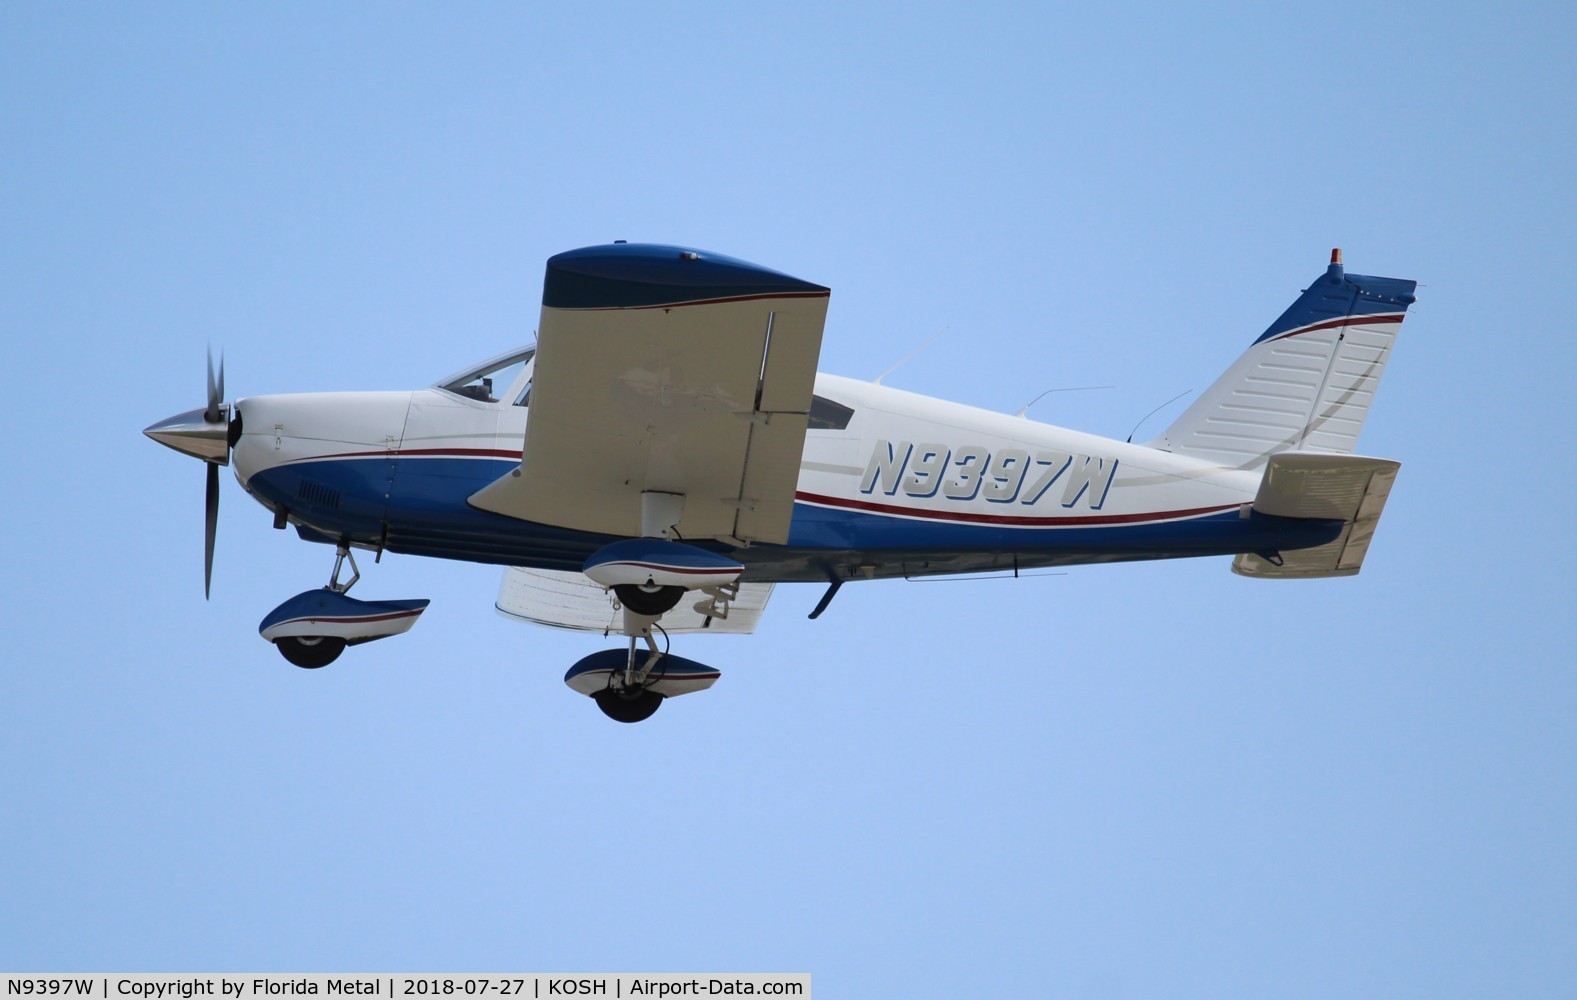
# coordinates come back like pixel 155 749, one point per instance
pixel 310 652
pixel 340 555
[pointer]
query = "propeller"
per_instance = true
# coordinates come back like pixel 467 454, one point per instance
pixel 216 390
pixel 216 395
pixel 210 528
pixel 205 434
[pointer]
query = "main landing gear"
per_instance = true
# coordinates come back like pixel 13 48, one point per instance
pixel 313 628
pixel 649 577
pixel 631 684
pixel 627 697
pixel 623 682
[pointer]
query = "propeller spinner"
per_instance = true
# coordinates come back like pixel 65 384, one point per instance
pixel 206 434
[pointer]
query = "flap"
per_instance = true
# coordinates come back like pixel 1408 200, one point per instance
pixel 666 370
pixel 566 599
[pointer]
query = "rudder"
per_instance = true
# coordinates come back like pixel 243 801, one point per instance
pixel 1306 384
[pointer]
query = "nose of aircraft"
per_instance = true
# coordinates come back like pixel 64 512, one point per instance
pixel 204 434
pixel 192 433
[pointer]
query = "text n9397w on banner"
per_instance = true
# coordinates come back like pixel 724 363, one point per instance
pixel 404 986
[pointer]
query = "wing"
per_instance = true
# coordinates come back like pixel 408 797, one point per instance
pixel 564 599
pixel 666 370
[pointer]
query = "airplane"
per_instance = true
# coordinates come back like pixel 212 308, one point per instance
pixel 666 452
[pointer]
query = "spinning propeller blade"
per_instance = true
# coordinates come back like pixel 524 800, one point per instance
pixel 210 527
pixel 216 390
pixel 212 415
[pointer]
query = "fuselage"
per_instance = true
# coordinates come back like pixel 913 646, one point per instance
pixel 891 483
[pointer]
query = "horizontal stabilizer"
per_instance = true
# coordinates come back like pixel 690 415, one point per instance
pixel 565 599
pixel 1348 488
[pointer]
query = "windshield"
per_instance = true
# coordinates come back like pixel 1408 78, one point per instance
pixel 503 377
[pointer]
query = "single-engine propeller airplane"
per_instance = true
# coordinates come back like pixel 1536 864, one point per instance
pixel 666 452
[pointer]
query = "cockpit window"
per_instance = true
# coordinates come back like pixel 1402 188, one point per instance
pixel 492 380
pixel 825 415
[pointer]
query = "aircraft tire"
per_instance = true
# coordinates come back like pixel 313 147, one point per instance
pixel 655 602
pixel 620 707
pixel 310 652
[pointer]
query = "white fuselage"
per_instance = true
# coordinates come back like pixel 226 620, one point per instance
pixel 895 484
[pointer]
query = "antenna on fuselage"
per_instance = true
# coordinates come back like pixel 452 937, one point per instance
pixel 1024 410
pixel 1153 412
pixel 878 379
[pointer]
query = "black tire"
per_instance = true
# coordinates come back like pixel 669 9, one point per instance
pixel 658 601
pixel 311 651
pixel 624 707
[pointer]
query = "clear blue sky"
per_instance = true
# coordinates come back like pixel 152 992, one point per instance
pixel 1127 781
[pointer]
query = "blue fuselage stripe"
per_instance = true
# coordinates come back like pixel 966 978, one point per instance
pixel 419 505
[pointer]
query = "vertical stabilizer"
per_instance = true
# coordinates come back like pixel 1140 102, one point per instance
pixel 1306 383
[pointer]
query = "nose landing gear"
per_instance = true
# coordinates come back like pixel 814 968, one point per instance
pixel 313 628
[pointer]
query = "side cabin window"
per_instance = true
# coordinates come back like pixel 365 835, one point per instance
pixel 494 380
pixel 825 415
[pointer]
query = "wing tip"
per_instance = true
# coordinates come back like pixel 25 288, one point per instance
pixel 635 275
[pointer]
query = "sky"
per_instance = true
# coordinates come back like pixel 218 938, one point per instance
pixel 1126 781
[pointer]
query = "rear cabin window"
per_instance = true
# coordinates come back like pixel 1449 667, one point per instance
pixel 825 415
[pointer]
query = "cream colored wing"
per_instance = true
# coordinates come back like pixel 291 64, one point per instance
pixel 671 371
